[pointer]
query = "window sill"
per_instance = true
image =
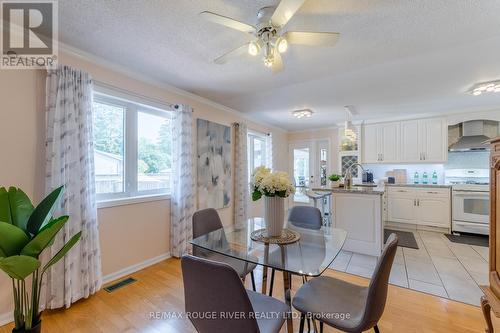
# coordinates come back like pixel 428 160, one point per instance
pixel 132 200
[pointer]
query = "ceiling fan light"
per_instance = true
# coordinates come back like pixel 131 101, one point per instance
pixel 282 45
pixel 268 62
pixel 253 48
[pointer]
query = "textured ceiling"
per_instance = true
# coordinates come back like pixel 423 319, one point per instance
pixel 394 57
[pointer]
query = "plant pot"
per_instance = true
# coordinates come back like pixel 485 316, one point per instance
pixel 35 329
pixel 335 184
pixel 274 215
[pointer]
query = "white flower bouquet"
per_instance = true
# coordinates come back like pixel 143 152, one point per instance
pixel 270 184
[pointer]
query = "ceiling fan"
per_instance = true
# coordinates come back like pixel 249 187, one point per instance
pixel 268 36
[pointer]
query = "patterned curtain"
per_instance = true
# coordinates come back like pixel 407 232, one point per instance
pixel 241 186
pixel 269 151
pixel 182 181
pixel 70 162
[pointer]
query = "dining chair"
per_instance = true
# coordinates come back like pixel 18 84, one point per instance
pixel 306 217
pixel 329 300
pixel 206 221
pixel 215 288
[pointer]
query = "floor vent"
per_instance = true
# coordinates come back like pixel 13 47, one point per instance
pixel 120 284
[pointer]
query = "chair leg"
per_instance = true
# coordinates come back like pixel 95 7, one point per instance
pixel 375 328
pixel 320 327
pixel 272 283
pixel 301 326
pixel 253 281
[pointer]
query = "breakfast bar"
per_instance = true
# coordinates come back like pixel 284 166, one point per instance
pixel 358 210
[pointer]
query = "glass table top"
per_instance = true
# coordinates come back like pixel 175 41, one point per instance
pixel 311 255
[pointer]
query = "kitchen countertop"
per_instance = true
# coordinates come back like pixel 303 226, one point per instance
pixel 356 190
pixel 420 185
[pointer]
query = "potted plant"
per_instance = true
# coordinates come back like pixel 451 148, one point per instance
pixel 275 187
pixel 25 231
pixel 334 180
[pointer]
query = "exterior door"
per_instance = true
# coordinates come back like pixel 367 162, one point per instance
pixel 302 166
pixel 310 166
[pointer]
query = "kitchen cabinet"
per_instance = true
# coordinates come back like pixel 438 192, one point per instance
pixel 419 206
pixel 424 141
pixel 415 141
pixel 400 204
pixel 381 143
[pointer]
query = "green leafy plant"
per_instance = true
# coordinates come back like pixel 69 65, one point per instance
pixel 334 177
pixel 25 231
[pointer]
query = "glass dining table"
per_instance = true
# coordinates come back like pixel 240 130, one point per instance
pixel 310 256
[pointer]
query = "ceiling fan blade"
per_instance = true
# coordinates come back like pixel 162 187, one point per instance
pixel 312 38
pixel 237 52
pixel 277 63
pixel 285 10
pixel 228 22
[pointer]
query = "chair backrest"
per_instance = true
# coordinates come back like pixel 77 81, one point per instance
pixel 379 284
pixel 205 221
pixel 215 288
pixel 306 217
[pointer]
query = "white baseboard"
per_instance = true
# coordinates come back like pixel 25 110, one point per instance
pixel 6 318
pixel 134 268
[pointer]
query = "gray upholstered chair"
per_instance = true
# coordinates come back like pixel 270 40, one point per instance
pixel 323 296
pixel 208 220
pixel 306 217
pixel 215 288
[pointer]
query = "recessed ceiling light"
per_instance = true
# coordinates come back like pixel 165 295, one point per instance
pixel 305 113
pixel 485 87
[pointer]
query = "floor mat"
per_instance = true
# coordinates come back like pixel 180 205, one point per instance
pixel 479 240
pixel 406 238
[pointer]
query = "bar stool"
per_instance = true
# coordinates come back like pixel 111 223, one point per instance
pixel 315 196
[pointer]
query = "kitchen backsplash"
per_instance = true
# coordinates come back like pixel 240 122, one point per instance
pixel 379 170
pixel 468 160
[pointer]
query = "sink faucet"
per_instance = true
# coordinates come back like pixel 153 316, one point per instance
pixel 348 175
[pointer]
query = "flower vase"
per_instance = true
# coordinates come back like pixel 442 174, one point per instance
pixel 274 215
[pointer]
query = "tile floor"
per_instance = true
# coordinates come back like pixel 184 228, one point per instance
pixel 438 267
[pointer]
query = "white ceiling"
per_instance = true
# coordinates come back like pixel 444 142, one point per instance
pixel 394 57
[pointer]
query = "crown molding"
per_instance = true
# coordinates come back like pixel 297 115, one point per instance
pixel 97 60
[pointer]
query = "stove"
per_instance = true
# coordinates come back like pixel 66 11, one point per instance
pixel 471 200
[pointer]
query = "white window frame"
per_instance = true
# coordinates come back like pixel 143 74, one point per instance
pixel 251 136
pixel 132 108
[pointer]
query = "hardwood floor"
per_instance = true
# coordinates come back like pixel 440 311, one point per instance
pixel 159 288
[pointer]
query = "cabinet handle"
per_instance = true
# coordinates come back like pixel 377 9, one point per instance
pixel 431 192
pixel 403 191
pixel 418 202
pixel 414 202
pixel 423 154
pixel 420 156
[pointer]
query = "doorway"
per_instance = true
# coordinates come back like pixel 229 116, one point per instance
pixel 309 167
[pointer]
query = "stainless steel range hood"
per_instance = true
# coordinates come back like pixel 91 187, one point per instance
pixel 472 139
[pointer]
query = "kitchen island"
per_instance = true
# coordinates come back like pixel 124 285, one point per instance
pixel 358 210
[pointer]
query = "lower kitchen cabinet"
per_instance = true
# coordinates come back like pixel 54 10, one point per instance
pixel 421 206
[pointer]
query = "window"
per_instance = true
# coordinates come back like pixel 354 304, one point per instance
pixel 257 154
pixel 132 148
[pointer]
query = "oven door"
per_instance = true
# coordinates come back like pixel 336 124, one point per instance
pixel 471 207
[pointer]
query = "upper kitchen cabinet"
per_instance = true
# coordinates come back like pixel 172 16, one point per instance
pixel 416 141
pixel 381 143
pixel 424 141
pixel 435 140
